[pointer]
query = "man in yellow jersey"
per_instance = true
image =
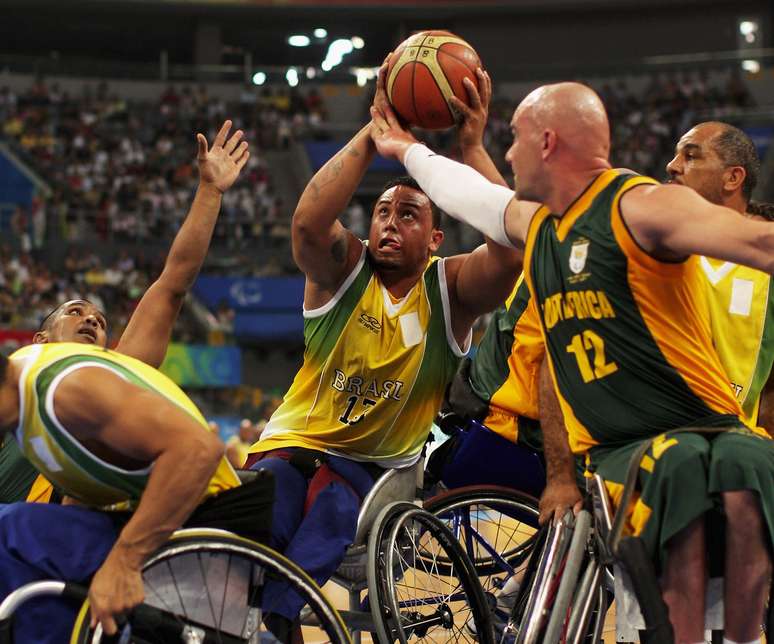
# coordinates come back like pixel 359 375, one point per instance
pixel 720 162
pixel 112 433
pixel 610 258
pixel 149 329
pixel 385 324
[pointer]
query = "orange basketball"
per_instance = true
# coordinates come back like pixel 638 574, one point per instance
pixel 424 72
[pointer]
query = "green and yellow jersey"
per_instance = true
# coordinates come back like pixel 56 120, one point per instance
pixel 58 455
pixel 374 371
pixel 628 336
pixel 504 371
pixel 741 302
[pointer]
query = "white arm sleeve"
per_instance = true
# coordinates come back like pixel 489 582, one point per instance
pixel 461 192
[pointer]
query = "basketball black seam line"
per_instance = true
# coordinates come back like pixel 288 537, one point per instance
pixel 413 76
pixel 445 100
pixel 439 49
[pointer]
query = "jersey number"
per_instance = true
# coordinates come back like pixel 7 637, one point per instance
pixel 589 341
pixel 351 401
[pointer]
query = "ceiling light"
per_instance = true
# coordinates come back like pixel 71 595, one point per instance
pixel 298 40
pixel 752 66
pixel 259 78
pixel 357 42
pixel 320 32
pixel 311 72
pixel 292 77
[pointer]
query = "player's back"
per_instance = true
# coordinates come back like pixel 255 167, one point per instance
pixel 58 455
pixel 628 335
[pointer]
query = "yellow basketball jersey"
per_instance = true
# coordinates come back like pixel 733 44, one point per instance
pixel 504 371
pixel 61 458
pixel 374 371
pixel 741 302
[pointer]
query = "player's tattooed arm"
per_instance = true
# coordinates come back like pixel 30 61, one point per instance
pixel 322 248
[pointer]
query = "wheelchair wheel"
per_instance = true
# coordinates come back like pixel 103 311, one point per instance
pixel 420 582
pixel 497 527
pixel 213 586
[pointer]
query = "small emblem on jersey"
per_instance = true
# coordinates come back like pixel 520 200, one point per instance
pixel 578 255
pixel 370 323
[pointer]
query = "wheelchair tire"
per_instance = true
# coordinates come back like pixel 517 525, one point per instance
pixel 243 566
pixel 457 507
pixel 411 596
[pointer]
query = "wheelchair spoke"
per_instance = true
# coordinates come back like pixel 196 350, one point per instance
pixel 209 597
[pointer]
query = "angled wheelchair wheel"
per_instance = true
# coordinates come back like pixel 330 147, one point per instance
pixel 496 526
pixel 421 584
pixel 213 586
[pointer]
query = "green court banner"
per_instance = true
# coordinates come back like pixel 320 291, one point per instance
pixel 194 365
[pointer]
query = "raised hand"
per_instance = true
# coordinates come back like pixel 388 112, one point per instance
pixel 391 139
pixel 380 98
pixel 472 120
pixel 221 164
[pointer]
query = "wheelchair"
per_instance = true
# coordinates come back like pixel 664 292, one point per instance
pixel 584 562
pixel 489 503
pixel 203 585
pixel 420 584
pixel 210 585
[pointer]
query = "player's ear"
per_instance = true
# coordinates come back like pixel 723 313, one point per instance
pixel 436 238
pixel 548 144
pixel 41 337
pixel 733 178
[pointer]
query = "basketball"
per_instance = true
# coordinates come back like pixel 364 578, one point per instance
pixel 424 72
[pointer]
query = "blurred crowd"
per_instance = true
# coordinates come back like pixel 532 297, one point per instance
pixel 646 122
pixel 126 170
pixel 30 288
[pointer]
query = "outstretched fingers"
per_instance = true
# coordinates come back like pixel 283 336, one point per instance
pixel 201 142
pixel 473 95
pixel 231 144
pixel 220 138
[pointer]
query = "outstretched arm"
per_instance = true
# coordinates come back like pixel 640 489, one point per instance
pixel 671 222
pixel 561 491
pixel 458 190
pixel 142 427
pixel 147 335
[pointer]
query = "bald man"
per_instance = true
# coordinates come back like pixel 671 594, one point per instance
pixel 610 260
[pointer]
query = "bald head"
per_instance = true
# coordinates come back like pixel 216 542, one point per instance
pixel 575 113
pixel 561 140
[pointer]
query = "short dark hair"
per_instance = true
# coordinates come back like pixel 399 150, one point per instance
pixel 46 323
pixel 762 209
pixel 734 147
pixel 410 182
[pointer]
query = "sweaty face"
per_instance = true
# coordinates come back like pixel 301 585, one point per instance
pixel 76 321
pixel 697 165
pixel 402 234
pixel 524 157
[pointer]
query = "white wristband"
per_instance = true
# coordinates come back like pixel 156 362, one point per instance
pixel 461 192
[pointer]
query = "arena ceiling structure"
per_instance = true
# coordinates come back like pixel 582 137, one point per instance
pixel 515 38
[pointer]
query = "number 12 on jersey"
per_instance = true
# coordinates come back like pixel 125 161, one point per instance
pixel 581 345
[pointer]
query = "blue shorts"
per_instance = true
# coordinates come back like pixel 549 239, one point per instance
pixel 313 530
pixel 41 541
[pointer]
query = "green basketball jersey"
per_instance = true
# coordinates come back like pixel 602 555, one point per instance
pixel 628 336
